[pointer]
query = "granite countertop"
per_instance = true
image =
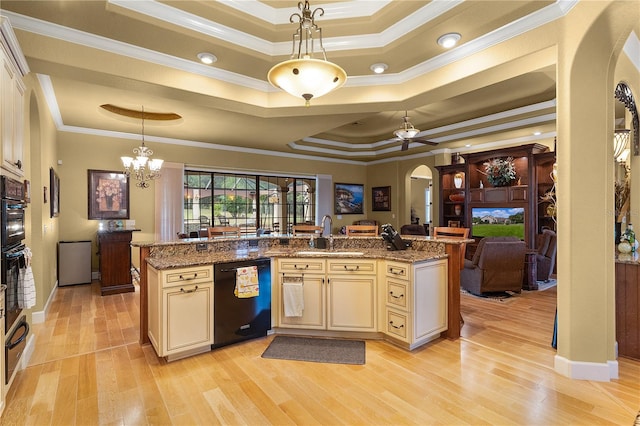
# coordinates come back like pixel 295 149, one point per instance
pixel 196 259
pixel 287 236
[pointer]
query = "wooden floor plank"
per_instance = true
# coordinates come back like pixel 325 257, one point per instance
pixel 87 368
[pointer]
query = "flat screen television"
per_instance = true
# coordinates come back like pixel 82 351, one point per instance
pixel 497 222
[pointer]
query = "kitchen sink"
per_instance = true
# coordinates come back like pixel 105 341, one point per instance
pixel 329 253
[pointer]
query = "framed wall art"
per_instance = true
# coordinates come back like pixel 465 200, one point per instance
pixel 54 185
pixel 108 195
pixel 349 198
pixel 381 198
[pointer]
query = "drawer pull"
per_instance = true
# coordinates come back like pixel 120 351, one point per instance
pixel 396 297
pixel 393 271
pixel 195 275
pixel 395 326
pixel 302 267
pixel 182 290
pixel 346 268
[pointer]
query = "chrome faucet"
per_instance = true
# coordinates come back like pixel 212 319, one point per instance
pixel 325 217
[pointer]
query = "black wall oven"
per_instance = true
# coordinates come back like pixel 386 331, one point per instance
pixel 12 232
pixel 13 205
pixel 12 261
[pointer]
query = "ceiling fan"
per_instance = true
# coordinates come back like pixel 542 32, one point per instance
pixel 407 134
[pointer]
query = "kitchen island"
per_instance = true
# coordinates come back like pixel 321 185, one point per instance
pixel 198 252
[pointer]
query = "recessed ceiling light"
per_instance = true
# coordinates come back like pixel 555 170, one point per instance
pixel 207 58
pixel 468 145
pixel 537 133
pixel 449 40
pixel 379 68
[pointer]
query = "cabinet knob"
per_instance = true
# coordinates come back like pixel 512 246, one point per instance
pixel 18 164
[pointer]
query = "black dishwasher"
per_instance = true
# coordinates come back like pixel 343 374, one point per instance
pixel 237 319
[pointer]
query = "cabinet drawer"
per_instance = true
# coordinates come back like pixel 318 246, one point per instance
pixel 397 324
pixel 397 293
pixel 352 266
pixel 301 265
pixel 397 270
pixel 187 276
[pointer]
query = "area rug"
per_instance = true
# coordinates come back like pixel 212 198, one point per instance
pixel 334 351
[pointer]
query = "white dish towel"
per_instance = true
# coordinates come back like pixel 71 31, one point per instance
pixel 293 295
pixel 26 283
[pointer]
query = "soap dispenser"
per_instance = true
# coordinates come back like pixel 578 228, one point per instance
pixel 312 243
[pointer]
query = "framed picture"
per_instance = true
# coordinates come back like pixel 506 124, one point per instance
pixel 349 198
pixel 381 198
pixel 108 195
pixel 54 186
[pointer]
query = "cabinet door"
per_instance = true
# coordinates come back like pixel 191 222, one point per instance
pixel 351 302
pixel 188 317
pixel 11 115
pixel 430 299
pixel 313 314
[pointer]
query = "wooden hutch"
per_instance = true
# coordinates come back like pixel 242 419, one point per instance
pixel 533 164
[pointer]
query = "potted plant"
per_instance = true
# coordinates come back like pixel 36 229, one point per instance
pixel 500 171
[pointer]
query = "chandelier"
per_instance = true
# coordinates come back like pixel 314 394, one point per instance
pixel 302 75
pixel 143 167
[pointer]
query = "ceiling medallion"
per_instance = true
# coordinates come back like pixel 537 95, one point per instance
pixel 302 75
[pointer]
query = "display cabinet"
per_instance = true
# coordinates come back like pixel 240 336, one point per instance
pixel 453 194
pixel 115 262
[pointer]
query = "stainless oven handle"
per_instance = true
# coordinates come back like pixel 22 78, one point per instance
pixel 10 255
pixel 25 325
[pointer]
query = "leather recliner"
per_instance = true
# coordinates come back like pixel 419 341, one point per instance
pixel 497 265
pixel 546 256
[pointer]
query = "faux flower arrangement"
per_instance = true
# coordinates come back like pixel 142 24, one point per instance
pixel 622 189
pixel 500 171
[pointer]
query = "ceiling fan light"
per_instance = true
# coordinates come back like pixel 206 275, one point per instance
pixel 406 133
pixel 449 40
pixel 379 68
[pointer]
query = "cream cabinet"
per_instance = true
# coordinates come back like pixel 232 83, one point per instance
pixel 351 295
pixel 12 92
pixel 180 303
pixel 415 301
pixel 338 294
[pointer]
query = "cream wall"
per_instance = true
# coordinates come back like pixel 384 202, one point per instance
pixel 79 153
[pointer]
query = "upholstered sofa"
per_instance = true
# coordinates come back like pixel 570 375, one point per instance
pixel 497 265
pixel 413 230
pixel 546 256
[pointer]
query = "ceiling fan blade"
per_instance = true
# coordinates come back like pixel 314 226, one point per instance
pixel 405 145
pixel 424 141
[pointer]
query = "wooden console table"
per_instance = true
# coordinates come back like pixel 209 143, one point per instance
pixel 115 261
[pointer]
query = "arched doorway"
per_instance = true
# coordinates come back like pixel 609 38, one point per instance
pixel 421 196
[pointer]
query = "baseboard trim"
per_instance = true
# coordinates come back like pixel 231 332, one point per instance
pixel 38 317
pixel 580 370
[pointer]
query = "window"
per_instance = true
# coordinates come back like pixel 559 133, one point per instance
pixel 248 201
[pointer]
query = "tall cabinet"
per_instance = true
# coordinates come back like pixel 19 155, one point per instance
pixel 13 67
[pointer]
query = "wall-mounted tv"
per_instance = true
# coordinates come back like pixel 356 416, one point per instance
pixel 497 222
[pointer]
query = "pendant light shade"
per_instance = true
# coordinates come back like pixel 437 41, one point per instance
pixel 304 76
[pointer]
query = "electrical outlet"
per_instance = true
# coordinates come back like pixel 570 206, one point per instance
pixel 284 241
pixel 201 246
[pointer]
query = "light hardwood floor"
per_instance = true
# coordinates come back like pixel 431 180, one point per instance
pixel 89 369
